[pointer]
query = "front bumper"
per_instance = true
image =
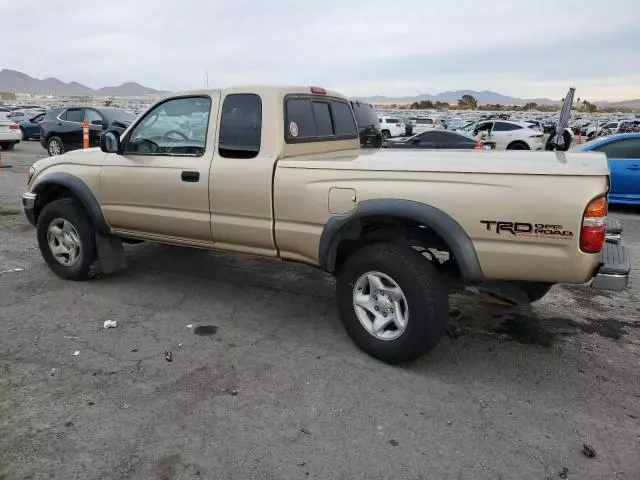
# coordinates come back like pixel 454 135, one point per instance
pixel 615 265
pixel 29 205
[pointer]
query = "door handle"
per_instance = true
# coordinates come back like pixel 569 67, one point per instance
pixel 634 167
pixel 188 176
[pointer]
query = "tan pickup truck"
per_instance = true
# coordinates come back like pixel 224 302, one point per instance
pixel 277 172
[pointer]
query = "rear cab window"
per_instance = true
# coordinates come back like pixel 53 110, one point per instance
pixel 313 118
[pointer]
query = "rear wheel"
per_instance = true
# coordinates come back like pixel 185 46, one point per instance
pixel 55 146
pixel 386 134
pixel 66 239
pixel 392 302
pixel 7 146
pixel 518 146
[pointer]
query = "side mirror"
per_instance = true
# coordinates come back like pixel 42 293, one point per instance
pixel 110 142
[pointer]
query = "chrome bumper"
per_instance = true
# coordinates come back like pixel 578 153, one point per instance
pixel 29 204
pixel 615 265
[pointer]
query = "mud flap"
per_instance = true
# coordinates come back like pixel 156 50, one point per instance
pixel 110 253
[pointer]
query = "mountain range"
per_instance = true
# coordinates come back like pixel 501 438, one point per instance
pixel 485 97
pixel 18 82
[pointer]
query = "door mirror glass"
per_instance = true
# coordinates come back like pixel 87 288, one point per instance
pixel 110 142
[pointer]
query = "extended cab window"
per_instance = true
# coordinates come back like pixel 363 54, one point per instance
pixel 314 119
pixel 505 127
pixel 175 127
pixel 240 126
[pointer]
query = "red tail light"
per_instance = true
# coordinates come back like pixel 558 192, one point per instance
pixel 14 126
pixel 594 226
pixel 398 124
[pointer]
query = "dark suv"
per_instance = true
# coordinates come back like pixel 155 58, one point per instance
pixel 61 129
pixel 368 124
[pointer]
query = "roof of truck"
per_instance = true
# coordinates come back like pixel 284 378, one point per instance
pixel 280 90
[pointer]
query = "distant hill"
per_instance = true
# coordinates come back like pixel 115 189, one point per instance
pixel 625 103
pixel 484 97
pixel 18 82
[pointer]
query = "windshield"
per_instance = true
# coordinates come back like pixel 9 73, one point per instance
pixel 365 116
pixel 118 115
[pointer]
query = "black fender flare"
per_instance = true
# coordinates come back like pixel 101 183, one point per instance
pixel 440 222
pixel 81 191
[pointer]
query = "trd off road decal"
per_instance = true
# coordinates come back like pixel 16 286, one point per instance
pixel 525 229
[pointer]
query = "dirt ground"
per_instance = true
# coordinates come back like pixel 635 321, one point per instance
pixel 267 385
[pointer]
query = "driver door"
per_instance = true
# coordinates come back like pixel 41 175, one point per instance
pixel 158 188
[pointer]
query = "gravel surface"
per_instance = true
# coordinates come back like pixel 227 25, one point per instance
pixel 265 384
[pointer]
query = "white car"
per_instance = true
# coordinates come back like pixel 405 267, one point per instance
pixel 421 124
pixel 10 134
pixel 391 127
pixel 510 135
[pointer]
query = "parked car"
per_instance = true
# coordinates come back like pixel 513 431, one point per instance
pixel 422 124
pixel 437 139
pixel 307 193
pixel 391 127
pixel 368 124
pixel 61 129
pixel 31 128
pixel 623 154
pixel 510 135
pixel 10 134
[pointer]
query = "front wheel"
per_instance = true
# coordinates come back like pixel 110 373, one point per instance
pixel 66 239
pixel 518 146
pixel 392 302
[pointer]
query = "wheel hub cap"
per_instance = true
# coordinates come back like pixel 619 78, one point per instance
pixel 380 305
pixel 64 242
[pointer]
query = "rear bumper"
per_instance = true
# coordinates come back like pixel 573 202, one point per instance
pixel 615 265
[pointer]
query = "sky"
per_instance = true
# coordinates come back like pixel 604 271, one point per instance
pixel 522 48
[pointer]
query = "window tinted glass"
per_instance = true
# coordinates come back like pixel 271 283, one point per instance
pixel 392 120
pixel 175 127
pixel 322 112
pixel 72 115
pixel 424 121
pixel 441 137
pixel 626 148
pixel 484 127
pixel 240 126
pixel 300 113
pixel 343 119
pixel 91 115
pixel 505 127
pixel 365 115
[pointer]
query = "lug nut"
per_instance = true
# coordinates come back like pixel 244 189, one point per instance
pixel 391 310
pixel 375 297
pixel 382 294
pixel 376 308
pixel 384 314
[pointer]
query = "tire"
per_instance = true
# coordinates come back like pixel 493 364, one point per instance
pixel 82 234
pixel 386 134
pixel 518 146
pixel 534 290
pixel 55 146
pixel 423 292
pixel 7 146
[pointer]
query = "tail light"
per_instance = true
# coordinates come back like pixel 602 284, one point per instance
pixel 14 126
pixel 318 90
pixel 398 124
pixel 594 226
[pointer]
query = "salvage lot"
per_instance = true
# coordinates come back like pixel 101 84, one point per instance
pixel 277 389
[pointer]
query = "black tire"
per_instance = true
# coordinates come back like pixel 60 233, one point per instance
pixel 51 146
pixel 386 134
pixel 7 146
pixel 518 146
pixel 424 291
pixel 71 210
pixel 535 290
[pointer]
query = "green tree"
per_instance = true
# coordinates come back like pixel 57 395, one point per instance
pixel 530 106
pixel 441 105
pixel 468 102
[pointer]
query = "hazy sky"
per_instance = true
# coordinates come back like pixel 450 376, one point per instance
pixel 525 48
